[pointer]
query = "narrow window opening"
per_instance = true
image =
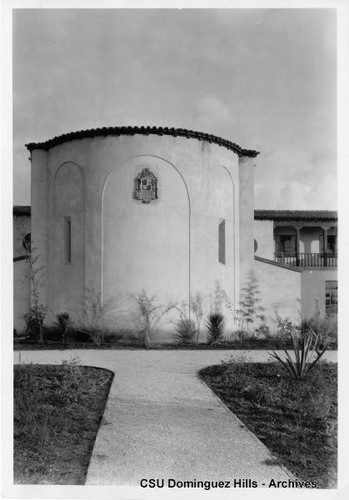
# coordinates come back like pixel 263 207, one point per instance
pixel 221 242
pixel 331 290
pixel 67 239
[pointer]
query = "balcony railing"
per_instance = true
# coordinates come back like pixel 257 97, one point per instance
pixel 307 259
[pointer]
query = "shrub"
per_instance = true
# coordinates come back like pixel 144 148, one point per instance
pixel 64 324
pixel 196 307
pixel 240 334
pixel 263 331
pixel 34 318
pixel 92 317
pixel 325 328
pixel 285 328
pixel 34 322
pixel 250 309
pixel 149 315
pixel 185 331
pixel 303 346
pixel 215 326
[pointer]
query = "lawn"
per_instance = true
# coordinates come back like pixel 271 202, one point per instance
pixel 295 419
pixel 57 413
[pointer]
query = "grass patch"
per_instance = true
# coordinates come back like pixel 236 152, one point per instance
pixel 57 413
pixel 295 419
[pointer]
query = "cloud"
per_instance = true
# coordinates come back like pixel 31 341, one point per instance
pixel 296 195
pixel 211 113
pixel 261 78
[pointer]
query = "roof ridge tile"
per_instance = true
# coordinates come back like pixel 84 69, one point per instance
pixel 132 130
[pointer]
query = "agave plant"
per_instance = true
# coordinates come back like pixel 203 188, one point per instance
pixel 304 347
pixel 215 326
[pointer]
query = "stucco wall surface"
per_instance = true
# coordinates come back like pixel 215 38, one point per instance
pixel 313 290
pixel 264 235
pixel 120 246
pixel 246 216
pixel 280 291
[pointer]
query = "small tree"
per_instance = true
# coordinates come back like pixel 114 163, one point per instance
pixel 196 307
pixel 92 316
pixel 250 308
pixel 35 317
pixel 149 315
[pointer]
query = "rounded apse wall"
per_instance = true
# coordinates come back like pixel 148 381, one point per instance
pixel 155 211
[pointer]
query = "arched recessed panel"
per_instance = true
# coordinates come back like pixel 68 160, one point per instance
pixel 146 226
pixel 68 245
pixel 214 247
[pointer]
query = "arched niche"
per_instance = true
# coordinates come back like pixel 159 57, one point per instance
pixel 68 239
pixel 146 237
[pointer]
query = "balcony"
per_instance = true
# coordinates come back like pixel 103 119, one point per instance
pixel 318 260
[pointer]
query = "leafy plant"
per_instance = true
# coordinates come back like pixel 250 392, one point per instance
pixel 92 316
pixel 215 326
pixel 196 307
pixel 64 324
pixel 149 315
pixel 263 331
pixel 185 331
pixel 35 317
pixel 324 326
pixel 240 334
pixel 285 327
pixel 34 322
pixel 250 309
pixel 304 347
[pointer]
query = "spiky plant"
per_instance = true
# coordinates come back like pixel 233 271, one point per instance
pixel 215 328
pixel 306 354
pixel 63 323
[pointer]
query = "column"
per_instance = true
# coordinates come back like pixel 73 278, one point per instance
pixel 298 238
pixel 325 231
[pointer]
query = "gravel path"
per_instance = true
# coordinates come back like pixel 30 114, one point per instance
pixel 162 422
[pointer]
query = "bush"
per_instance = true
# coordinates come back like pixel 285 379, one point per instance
pixel 240 334
pixel 34 322
pixel 185 331
pixel 250 310
pixel 324 327
pixel 64 324
pixel 114 337
pixel 92 317
pixel 263 331
pixel 215 326
pixel 148 315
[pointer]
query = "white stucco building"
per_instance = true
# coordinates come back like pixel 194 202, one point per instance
pixel 298 248
pixel 126 209
pixel 168 211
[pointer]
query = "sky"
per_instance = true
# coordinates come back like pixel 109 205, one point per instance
pixel 262 78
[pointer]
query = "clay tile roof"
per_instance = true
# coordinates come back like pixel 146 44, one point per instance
pixel 21 210
pixel 127 130
pixel 296 215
